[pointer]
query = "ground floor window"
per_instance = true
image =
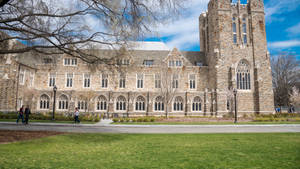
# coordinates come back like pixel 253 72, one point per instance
pixel 178 104
pixel 101 103
pixel 63 103
pixel 140 104
pixel 121 103
pixel 44 102
pixel 159 104
pixel 196 107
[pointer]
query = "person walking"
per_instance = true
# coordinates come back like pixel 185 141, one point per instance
pixel 27 112
pixel 21 115
pixel 76 115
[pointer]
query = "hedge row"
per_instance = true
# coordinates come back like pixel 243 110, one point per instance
pixel 272 119
pixel 58 117
pixel 134 120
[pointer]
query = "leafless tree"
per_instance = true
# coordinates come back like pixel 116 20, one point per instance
pixel 286 74
pixel 169 86
pixel 54 26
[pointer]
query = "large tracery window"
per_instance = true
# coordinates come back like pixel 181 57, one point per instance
pixel 121 103
pixel 243 78
pixel 44 102
pixel 159 104
pixel 178 104
pixel 196 107
pixel 101 103
pixel 63 102
pixel 140 104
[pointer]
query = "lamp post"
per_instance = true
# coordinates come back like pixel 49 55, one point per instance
pixel 54 101
pixel 235 107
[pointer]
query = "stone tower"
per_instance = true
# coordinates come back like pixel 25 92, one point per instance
pixel 233 37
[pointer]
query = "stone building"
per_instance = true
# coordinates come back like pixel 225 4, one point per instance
pixel 149 79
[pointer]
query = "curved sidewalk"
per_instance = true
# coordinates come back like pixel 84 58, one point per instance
pixel 106 128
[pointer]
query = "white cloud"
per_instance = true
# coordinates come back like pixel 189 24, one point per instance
pixel 294 29
pixel 284 44
pixel 274 8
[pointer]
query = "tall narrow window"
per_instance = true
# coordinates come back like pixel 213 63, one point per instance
pixel 122 81
pixel 175 82
pixel 52 79
pixel 192 78
pixel 102 103
pixel 178 104
pixel 22 77
pixel 104 82
pixel 157 81
pixel 31 82
pixel 44 102
pixel 87 80
pixel 234 30
pixel 69 80
pixel 244 31
pixel 140 104
pixel 243 76
pixel 140 81
pixel 159 104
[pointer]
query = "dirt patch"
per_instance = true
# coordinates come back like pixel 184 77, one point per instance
pixel 7 136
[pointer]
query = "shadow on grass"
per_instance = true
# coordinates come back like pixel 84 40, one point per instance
pixel 79 138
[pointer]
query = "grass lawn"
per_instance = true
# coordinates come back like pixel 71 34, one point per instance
pixel 155 151
pixel 206 123
pixel 45 121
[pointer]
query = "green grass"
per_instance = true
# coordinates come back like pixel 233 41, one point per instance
pixel 186 151
pixel 205 123
pixel 45 121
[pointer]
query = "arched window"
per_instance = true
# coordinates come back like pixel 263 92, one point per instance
pixel 243 78
pixel 63 102
pixel 159 104
pixel 196 107
pixel 234 31
pixel 121 103
pixel 140 104
pixel 244 30
pixel 101 103
pixel 178 104
pixel 44 102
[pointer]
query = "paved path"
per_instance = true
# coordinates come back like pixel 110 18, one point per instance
pixel 106 128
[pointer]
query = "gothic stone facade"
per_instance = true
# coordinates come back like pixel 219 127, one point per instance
pixel 155 82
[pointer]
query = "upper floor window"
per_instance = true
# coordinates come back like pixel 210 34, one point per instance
pixel 52 78
pixel 123 61
pixel 175 81
pixel 69 80
pixel 140 81
pixel 173 63
pixel 104 81
pixel 157 81
pixel 199 64
pixel 234 31
pixel 148 62
pixel 192 79
pixel 47 60
pixel 243 76
pixel 31 80
pixel 122 81
pixel 22 77
pixel 244 31
pixel 70 61
pixel 86 80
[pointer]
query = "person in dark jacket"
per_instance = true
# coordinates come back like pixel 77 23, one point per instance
pixel 21 115
pixel 27 112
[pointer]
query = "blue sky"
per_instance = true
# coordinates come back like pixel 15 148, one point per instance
pixel 282 26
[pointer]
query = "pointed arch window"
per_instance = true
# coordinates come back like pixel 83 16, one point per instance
pixel 63 103
pixel 159 104
pixel 140 104
pixel 243 76
pixel 178 104
pixel 196 107
pixel 44 102
pixel 101 103
pixel 121 103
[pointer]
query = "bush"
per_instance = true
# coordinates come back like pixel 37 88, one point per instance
pixel 140 120
pixel 133 120
pixel 127 120
pixel 146 120
pixel 152 119
pixel 121 120
pixel 115 120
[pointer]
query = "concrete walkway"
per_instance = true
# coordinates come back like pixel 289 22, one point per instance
pixel 105 127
